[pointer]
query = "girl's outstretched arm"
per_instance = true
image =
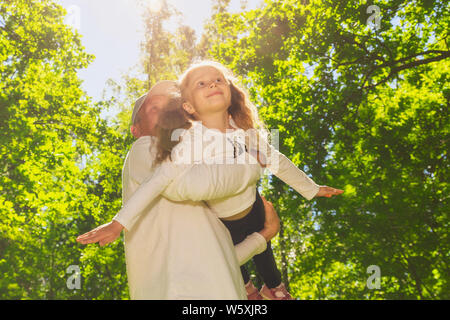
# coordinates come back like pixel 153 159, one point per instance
pixel 196 182
pixel 177 182
pixel 286 170
pixel 326 191
pixel 148 191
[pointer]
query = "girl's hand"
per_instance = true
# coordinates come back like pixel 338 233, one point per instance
pixel 325 191
pixel 272 222
pixel 103 235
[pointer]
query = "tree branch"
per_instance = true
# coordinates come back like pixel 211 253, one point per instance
pixel 396 70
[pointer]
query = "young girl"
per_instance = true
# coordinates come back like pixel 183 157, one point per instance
pixel 215 114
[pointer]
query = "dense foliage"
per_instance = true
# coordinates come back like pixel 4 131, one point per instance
pixel 358 107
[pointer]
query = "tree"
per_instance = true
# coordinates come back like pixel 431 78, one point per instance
pixel 165 54
pixel 357 107
pixel 365 110
pixel 50 190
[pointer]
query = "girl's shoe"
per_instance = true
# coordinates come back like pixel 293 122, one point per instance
pixel 252 292
pixel 277 293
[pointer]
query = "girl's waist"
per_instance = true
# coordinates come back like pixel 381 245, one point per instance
pixel 239 215
pixel 236 206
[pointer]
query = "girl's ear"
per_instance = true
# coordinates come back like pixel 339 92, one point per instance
pixel 188 107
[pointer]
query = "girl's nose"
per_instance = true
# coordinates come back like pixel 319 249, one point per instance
pixel 212 84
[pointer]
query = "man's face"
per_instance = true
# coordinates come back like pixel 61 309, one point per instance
pixel 147 116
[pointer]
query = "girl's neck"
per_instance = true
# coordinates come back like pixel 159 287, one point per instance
pixel 218 121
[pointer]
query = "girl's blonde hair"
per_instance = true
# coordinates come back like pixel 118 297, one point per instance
pixel 171 118
pixel 242 110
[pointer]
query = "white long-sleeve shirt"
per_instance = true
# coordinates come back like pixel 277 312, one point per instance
pixel 139 168
pixel 175 250
pixel 201 145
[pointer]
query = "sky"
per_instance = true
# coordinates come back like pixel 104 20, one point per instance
pixel 112 30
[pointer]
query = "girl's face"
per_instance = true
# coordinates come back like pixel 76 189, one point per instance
pixel 208 92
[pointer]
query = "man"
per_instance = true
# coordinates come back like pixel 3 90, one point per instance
pixel 154 250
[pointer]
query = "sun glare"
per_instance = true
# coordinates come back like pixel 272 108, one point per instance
pixel 155 5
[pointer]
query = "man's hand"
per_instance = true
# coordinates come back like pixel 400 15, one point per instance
pixel 272 222
pixel 103 235
pixel 325 191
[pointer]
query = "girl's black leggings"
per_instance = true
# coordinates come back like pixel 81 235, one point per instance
pixel 265 261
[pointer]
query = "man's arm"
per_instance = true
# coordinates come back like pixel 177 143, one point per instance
pixel 252 245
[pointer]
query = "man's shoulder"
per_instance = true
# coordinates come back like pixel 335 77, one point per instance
pixel 145 143
pixel 141 150
pixel 138 164
pixel 144 140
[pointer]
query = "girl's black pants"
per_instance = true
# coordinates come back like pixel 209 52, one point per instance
pixel 265 261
